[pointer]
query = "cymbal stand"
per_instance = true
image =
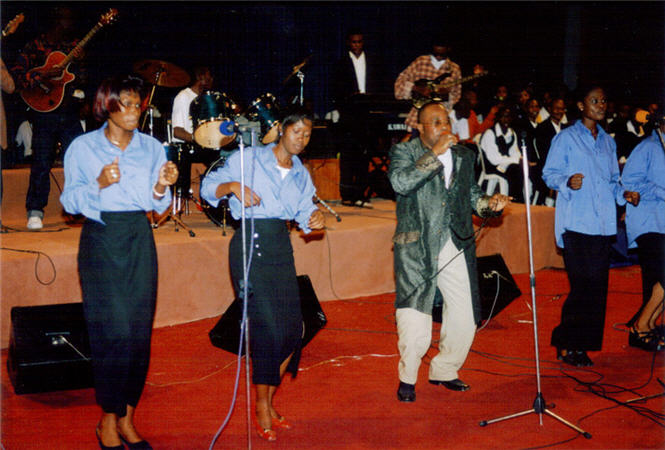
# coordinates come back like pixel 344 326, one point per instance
pixel 301 77
pixel 176 206
pixel 158 75
pixel 539 405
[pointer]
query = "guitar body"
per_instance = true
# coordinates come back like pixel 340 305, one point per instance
pixel 47 95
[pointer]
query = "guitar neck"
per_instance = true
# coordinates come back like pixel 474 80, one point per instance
pixel 81 44
pixel 461 80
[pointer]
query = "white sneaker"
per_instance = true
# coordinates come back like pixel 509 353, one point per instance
pixel 35 223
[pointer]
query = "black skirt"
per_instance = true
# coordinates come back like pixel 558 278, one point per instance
pixel 118 271
pixel 275 317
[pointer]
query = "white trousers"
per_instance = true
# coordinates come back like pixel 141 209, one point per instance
pixel 458 327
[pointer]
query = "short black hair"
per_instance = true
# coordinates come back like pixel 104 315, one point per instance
pixel 294 114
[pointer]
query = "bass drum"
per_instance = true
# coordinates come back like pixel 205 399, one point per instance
pixel 221 214
pixel 208 112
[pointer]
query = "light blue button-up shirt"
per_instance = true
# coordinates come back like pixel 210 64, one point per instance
pixel 644 172
pixel 288 198
pixel 590 209
pixel 139 166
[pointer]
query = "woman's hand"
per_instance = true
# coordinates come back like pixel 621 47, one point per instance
pixel 498 201
pixel 168 174
pixel 575 181
pixel 251 199
pixel 632 197
pixel 316 220
pixel 109 175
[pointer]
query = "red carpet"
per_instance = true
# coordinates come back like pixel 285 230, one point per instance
pixel 344 396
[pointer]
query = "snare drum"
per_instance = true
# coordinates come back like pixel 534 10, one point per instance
pixel 208 111
pixel 266 111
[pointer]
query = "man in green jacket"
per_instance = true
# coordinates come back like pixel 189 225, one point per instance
pixel 434 247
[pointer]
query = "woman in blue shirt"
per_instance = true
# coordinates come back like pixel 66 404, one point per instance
pixel 645 226
pixel 113 176
pixel 582 166
pixel 278 188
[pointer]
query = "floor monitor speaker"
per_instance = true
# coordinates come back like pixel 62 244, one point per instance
pixel 226 333
pixel 49 349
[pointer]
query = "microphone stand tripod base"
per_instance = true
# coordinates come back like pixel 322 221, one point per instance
pixel 538 408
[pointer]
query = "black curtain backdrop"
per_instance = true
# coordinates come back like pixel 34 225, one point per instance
pixel 251 47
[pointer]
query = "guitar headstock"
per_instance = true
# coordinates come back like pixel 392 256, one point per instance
pixel 13 24
pixel 109 17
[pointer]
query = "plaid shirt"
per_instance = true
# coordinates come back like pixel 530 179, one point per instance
pixel 422 67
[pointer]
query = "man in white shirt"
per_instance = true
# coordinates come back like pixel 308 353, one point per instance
pixel 353 77
pixel 183 128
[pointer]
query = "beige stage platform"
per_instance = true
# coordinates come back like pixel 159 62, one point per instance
pixel 351 258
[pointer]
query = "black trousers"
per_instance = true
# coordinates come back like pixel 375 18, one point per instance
pixel 587 261
pixel 651 254
pixel 275 316
pixel 118 272
pixel 48 128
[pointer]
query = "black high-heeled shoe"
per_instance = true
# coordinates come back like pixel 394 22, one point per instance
pixel 105 447
pixel 140 445
pixel 651 341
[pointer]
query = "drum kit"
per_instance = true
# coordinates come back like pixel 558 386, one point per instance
pixel 214 117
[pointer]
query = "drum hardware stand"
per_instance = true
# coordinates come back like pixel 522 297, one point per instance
pixel 174 214
pixel 176 208
pixel 158 75
pixel 539 405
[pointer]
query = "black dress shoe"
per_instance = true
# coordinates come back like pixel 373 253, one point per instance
pixel 577 358
pixel 453 385
pixel 583 359
pixel 406 392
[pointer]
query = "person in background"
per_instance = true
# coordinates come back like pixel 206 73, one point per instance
pixel 545 132
pixel 645 228
pixel 114 176
pixel 429 67
pixel 49 128
pixel 279 189
pixel 500 149
pixel 582 167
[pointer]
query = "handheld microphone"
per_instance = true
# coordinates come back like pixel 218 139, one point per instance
pixel 228 127
pixel 642 116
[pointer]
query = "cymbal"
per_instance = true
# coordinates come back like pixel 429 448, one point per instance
pixel 296 69
pixel 161 73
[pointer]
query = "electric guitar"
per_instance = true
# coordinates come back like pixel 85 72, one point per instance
pixel 432 87
pixel 13 25
pixel 47 94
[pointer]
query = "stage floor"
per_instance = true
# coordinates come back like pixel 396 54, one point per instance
pixel 351 258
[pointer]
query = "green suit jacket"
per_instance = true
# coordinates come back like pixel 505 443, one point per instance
pixel 427 215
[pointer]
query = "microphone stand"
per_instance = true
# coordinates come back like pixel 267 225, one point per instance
pixel 327 206
pixel 539 405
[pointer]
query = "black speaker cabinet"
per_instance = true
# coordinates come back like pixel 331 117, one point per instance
pixel 49 349
pixel 494 281
pixel 226 333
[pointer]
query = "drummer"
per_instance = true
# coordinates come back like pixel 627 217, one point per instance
pixel 183 127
